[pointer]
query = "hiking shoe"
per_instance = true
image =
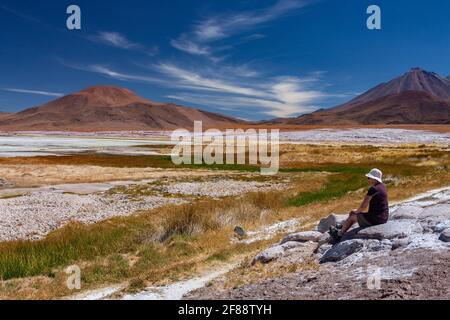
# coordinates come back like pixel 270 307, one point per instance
pixel 335 234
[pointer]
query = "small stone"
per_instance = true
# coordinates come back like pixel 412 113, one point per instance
pixel 400 243
pixel 305 236
pixel 240 232
pixel 445 235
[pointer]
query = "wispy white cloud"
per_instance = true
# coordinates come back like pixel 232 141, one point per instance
pixel 228 88
pixel 189 46
pixel 193 80
pixel 111 73
pixel 219 27
pixel 20 14
pixel 279 96
pixel 223 26
pixel 42 93
pixel 114 39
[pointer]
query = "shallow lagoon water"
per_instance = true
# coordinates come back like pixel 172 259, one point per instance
pixel 29 146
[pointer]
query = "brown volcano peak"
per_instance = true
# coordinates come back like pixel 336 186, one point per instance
pixel 108 108
pixel 110 96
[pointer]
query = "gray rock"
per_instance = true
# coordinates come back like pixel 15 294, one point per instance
pixel 342 250
pixel 441 226
pixel 440 212
pixel 292 245
pixel 269 254
pixel 407 211
pixel 240 232
pixel 445 235
pixel 276 251
pixel 323 248
pixel 373 245
pixel 395 229
pixel 400 243
pixel 330 221
pixel 325 239
pixel 433 218
pixel 305 236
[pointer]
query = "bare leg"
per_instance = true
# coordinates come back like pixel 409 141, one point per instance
pixel 352 219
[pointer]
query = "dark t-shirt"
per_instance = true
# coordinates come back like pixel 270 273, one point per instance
pixel 378 206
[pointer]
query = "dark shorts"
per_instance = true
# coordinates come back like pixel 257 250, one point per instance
pixel 362 221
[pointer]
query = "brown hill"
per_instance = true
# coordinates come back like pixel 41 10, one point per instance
pixel 108 108
pixel 417 97
pixel 4 114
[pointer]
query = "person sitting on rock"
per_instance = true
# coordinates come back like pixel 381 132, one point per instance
pixel 377 201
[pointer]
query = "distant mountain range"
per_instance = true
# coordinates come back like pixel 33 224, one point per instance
pixel 108 108
pixel 417 97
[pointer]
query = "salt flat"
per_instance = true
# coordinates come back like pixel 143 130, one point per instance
pixel 367 136
pixel 52 143
pixel 42 145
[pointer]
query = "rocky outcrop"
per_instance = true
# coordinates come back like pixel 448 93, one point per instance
pixel 414 224
pixel 410 254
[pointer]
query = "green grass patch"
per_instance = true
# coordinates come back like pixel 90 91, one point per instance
pixel 29 258
pixel 337 186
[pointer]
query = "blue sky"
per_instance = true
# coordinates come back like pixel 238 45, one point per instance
pixel 254 59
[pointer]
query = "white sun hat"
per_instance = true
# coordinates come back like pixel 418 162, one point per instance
pixel 376 175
